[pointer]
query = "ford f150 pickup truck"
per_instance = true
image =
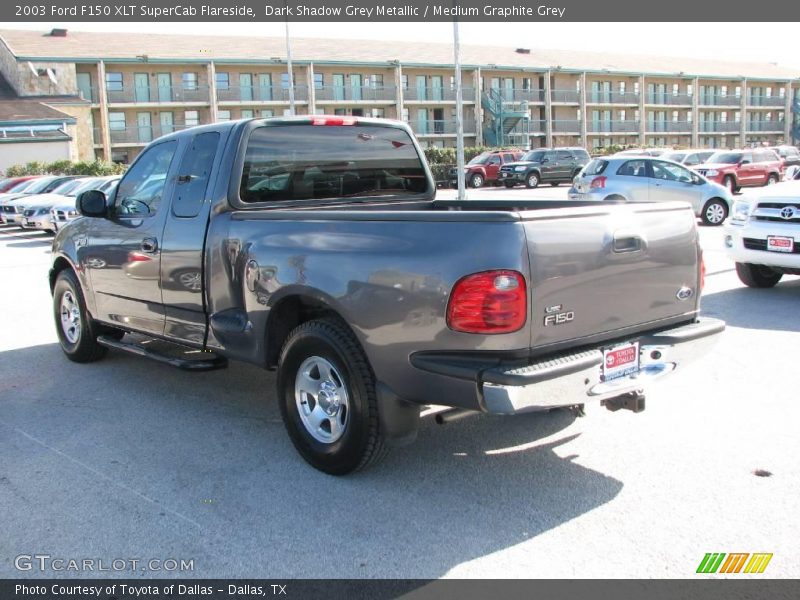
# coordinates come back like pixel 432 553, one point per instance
pixel 315 246
pixel 763 234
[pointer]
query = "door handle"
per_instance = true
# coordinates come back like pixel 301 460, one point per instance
pixel 149 245
pixel 625 242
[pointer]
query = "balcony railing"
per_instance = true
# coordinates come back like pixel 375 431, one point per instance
pixel 438 127
pixel 763 126
pixel 567 126
pixel 565 96
pixel 600 97
pixel 359 93
pixel 718 100
pixel 159 94
pixel 260 93
pixel 613 126
pixel 519 95
pixel 141 134
pixel 718 126
pixel 669 127
pixel 765 101
pixel 436 94
pixel 668 99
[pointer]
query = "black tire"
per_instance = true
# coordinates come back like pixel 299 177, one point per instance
pixel 361 442
pixel 509 184
pixel 757 276
pixel 714 212
pixel 555 183
pixel 532 180
pixel 78 339
pixel 476 181
pixel 772 179
pixel 729 182
pixel 614 198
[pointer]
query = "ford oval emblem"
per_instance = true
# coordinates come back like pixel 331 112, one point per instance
pixel 684 293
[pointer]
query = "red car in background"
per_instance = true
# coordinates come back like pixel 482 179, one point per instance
pixel 742 168
pixel 12 181
pixel 485 168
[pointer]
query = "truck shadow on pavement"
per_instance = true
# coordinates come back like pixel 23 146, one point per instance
pixel 751 308
pixel 132 458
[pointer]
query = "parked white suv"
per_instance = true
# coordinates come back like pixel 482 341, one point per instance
pixel 763 234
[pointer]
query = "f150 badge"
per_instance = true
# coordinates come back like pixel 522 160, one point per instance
pixel 556 315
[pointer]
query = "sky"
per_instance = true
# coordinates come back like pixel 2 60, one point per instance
pixel 747 42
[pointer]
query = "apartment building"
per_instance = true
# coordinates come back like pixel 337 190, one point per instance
pixel 137 87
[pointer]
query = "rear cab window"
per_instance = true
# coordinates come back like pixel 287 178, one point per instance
pixel 303 162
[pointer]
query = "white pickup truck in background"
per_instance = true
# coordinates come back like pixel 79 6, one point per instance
pixel 763 234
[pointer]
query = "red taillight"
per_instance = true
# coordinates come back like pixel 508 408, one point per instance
pixel 488 302
pixel 598 183
pixel 333 121
pixel 702 272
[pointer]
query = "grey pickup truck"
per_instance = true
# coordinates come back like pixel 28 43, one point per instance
pixel 315 246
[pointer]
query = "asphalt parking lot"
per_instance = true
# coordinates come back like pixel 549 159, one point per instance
pixel 129 459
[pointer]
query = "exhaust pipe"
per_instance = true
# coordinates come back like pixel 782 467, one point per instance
pixel 454 414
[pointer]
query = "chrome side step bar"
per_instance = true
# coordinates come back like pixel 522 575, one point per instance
pixel 208 362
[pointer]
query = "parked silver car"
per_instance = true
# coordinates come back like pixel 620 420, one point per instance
pixel 648 179
pixel 63 212
pixel 689 158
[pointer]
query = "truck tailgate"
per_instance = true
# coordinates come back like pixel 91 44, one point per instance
pixel 600 270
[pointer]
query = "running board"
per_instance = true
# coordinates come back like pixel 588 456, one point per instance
pixel 188 364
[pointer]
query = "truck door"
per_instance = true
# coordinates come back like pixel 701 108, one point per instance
pixel 183 240
pixel 492 167
pixel 124 250
pixel 549 166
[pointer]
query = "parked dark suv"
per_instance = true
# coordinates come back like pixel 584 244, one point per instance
pixel 559 165
pixel 789 155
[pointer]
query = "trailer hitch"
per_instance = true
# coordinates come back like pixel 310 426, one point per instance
pixel 633 401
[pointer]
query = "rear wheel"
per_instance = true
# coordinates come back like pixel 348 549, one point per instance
pixel 532 181
pixel 476 181
pixel 714 212
pixel 757 276
pixel 327 397
pixel 77 333
pixel 509 184
pixel 772 179
pixel 555 183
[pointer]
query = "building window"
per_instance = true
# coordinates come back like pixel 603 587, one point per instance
pixel 782 93
pixel 379 113
pixel 285 81
pixel 189 81
pixel 622 88
pixel 675 89
pixel 223 81
pixel 376 80
pixel 723 91
pixel 116 121
pixel 191 118
pixel 247 113
pixel 404 81
pixel 526 83
pixel 689 90
pixel 223 115
pixel 114 82
pixel 266 113
pixel 319 81
pixel 635 87
pixel 405 115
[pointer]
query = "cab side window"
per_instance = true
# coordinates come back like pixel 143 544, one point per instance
pixel 139 192
pixel 494 160
pixel 670 172
pixel 193 175
pixel 633 168
pixel 564 155
pixel 507 158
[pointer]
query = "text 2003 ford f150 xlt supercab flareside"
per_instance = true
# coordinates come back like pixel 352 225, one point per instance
pixel 315 246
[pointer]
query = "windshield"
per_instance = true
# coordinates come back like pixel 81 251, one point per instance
pixel 85 184
pixel 479 160
pixel 109 186
pixel 67 186
pixel 39 185
pixel 534 156
pixel 21 186
pixel 727 158
pixel 676 156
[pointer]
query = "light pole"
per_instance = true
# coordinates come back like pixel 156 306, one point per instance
pixel 289 68
pixel 459 120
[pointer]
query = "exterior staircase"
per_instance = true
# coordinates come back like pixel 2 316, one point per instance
pixel 508 122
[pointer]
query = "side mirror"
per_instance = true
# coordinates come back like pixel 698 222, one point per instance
pixel 544 160
pixel 92 203
pixel 696 179
pixel 744 162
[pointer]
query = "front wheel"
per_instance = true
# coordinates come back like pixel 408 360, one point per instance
pixel 77 333
pixel 509 184
pixel 532 181
pixel 730 183
pixel 476 181
pixel 757 276
pixel 326 391
pixel 555 183
pixel 714 212
pixel 772 179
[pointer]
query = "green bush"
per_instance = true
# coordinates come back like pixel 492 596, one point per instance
pixel 66 167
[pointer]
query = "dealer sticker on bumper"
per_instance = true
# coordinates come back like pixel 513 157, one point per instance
pixel 780 244
pixel 620 361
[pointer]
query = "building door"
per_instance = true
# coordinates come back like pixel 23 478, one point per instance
pixel 265 86
pixel 508 89
pixel 144 127
pixel 438 121
pixel 85 86
pixel 246 87
pixel 355 86
pixel 422 121
pixel 141 87
pixel 338 86
pixel 164 83
pixel 167 122
pixel 422 89
pixel 437 88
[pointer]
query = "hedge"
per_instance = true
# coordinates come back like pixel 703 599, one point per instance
pixel 66 167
